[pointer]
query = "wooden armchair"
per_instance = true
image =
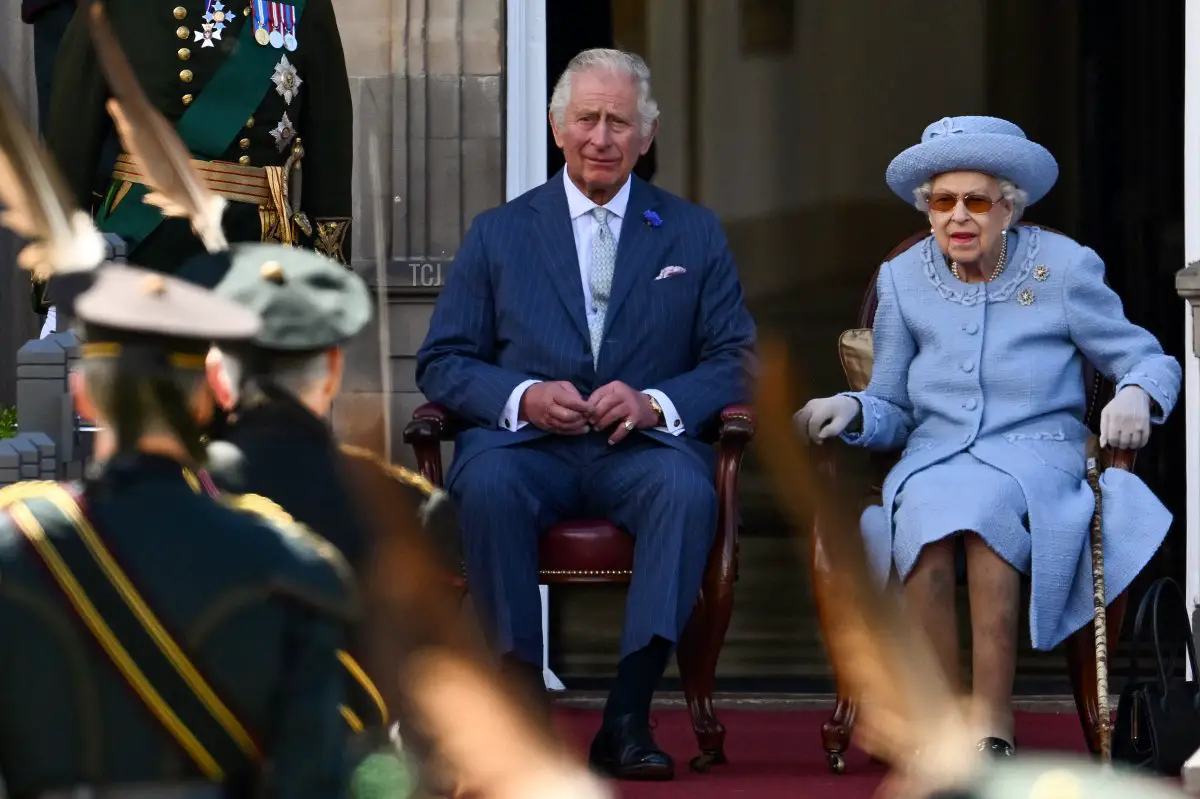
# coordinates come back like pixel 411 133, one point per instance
pixel 856 353
pixel 596 551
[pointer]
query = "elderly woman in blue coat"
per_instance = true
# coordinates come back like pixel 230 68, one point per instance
pixel 981 336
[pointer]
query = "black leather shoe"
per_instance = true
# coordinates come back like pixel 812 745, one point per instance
pixel 625 749
pixel 995 747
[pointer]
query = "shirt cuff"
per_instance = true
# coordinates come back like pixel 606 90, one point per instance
pixel 672 423
pixel 511 418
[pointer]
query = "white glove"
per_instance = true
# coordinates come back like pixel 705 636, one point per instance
pixel 1125 422
pixel 826 417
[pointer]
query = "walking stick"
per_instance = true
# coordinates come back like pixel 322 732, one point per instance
pixel 1101 615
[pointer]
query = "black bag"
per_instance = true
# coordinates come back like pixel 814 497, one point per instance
pixel 1158 720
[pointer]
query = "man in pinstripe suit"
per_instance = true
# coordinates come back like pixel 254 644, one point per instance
pixel 590 330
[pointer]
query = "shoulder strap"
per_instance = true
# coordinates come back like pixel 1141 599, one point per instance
pixel 398 473
pixel 360 683
pixel 207 127
pixel 108 605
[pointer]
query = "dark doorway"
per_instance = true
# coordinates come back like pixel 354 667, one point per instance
pixel 571 28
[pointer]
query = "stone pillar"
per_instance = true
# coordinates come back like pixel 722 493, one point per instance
pixel 45 411
pixel 428 94
pixel 1187 284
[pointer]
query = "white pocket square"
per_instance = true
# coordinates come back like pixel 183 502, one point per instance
pixel 670 271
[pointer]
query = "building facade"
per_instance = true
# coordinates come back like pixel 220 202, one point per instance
pixel 781 116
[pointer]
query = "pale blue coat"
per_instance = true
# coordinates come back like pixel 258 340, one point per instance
pixel 982 384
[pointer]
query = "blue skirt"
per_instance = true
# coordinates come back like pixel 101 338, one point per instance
pixel 959 494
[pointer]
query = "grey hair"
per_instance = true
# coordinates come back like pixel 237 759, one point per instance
pixel 296 374
pixel 1008 190
pixel 605 60
pixel 100 375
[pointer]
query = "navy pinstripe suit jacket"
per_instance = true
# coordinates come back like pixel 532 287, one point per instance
pixel 512 309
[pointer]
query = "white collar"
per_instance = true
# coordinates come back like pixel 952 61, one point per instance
pixel 579 204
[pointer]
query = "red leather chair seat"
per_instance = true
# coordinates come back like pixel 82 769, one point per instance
pixel 583 550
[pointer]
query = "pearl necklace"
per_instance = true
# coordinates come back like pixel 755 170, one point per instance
pixel 1000 262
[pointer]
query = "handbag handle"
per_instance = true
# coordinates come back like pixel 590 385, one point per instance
pixel 1151 603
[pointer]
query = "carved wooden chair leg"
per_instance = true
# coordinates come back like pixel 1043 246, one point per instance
pixel 698 652
pixel 836 732
pixel 1081 666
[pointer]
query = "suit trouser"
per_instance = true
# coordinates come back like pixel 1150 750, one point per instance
pixel 506 497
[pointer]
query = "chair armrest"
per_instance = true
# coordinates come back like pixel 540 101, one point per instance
pixel 431 425
pixel 1123 459
pixel 735 432
pixel 737 426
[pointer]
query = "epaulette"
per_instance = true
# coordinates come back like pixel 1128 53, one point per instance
pixel 265 508
pixel 399 473
pixel 25 489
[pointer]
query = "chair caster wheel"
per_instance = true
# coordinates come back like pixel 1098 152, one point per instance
pixel 837 763
pixel 703 763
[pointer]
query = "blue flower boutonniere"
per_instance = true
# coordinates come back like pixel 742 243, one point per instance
pixel 652 219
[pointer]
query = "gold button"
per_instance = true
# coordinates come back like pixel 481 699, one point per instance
pixel 246 11
pixel 244 144
pixel 185 75
pixel 184 54
pixel 250 122
pixel 244 160
pixel 187 99
pixel 182 32
pixel 180 12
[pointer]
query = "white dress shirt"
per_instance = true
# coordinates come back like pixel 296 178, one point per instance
pixel 583 225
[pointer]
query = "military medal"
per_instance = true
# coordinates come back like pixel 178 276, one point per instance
pixel 214 23
pixel 260 23
pixel 283 133
pixel 287 82
pixel 289 28
pixel 207 33
pixel 216 15
pixel 276 37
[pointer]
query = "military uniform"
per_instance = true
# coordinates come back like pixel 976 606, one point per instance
pixel 171 643
pixel 276 447
pixel 271 127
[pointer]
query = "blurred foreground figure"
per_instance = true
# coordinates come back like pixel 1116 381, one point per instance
pixel 1041 777
pixel 981 339
pixel 279 390
pixel 171 645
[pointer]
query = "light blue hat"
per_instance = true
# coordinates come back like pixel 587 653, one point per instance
pixel 974 144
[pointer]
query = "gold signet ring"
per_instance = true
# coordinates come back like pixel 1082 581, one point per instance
pixel 628 424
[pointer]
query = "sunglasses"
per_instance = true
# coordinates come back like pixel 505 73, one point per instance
pixel 974 203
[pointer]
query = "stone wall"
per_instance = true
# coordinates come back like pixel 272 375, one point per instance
pixel 429 108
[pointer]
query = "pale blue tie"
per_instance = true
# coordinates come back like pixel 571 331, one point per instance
pixel 604 259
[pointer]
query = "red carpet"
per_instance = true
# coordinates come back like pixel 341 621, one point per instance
pixel 779 754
